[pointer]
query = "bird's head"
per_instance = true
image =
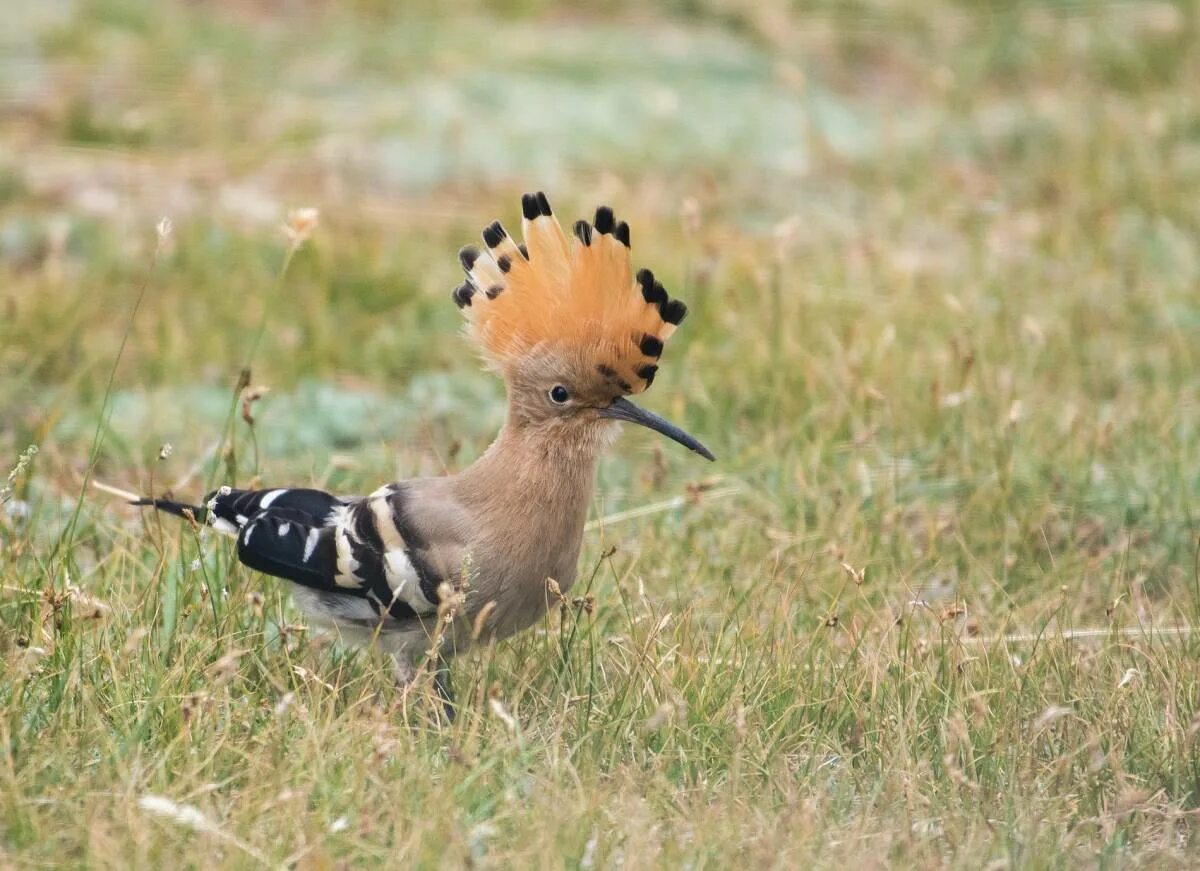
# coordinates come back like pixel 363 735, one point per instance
pixel 569 326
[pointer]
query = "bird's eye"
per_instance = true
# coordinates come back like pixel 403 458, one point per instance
pixel 559 394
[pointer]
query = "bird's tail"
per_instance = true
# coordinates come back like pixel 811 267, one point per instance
pixel 169 506
pixel 298 533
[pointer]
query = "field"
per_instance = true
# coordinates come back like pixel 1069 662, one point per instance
pixel 932 605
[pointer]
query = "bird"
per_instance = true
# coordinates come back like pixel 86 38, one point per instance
pixel 572 331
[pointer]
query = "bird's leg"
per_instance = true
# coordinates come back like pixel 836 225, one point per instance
pixel 403 671
pixel 405 675
pixel 441 683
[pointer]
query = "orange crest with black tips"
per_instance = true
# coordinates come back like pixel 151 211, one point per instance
pixel 576 293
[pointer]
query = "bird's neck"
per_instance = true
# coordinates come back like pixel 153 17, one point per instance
pixel 528 472
pixel 526 499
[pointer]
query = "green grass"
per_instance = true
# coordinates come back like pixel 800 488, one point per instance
pixel 944 269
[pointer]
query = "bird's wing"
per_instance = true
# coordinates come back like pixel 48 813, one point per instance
pixel 365 548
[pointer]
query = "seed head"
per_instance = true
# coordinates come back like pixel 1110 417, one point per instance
pixel 249 397
pixel 23 461
pixel 555 591
pixel 300 225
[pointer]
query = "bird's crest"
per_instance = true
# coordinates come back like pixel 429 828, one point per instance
pixel 579 294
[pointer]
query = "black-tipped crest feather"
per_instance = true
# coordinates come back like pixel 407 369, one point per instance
pixel 529 207
pixel 493 233
pixel 463 293
pixel 467 255
pixel 651 346
pixel 622 234
pixel 647 373
pixel 674 311
pixel 605 220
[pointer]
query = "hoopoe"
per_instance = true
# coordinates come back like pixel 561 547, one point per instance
pixel 572 331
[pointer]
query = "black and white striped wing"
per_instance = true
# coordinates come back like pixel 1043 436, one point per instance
pixel 361 548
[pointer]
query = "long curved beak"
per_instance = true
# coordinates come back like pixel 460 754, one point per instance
pixel 623 409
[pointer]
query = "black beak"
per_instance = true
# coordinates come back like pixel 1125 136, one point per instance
pixel 623 409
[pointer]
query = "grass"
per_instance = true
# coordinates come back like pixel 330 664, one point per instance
pixel 944 272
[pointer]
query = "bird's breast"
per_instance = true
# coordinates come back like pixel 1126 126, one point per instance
pixel 510 582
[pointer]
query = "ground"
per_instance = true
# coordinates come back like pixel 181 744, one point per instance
pixel 932 605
